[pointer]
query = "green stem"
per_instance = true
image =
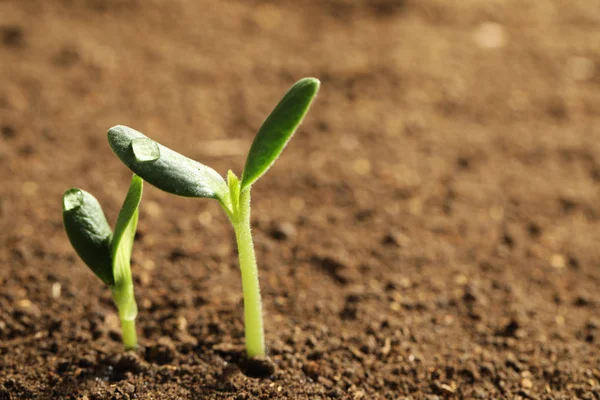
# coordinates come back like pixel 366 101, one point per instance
pixel 255 343
pixel 129 334
pixel 125 300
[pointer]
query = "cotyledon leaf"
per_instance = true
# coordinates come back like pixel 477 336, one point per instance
pixel 89 232
pixel 278 128
pixel 165 168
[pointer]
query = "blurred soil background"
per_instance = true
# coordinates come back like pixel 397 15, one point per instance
pixel 431 232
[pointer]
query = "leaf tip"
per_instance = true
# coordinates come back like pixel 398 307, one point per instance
pixel 278 129
pixel 310 83
pixel 114 131
pixel 120 137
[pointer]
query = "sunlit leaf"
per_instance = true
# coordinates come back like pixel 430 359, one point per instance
pixel 278 129
pixel 163 167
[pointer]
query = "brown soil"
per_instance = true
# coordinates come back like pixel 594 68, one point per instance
pixel 431 232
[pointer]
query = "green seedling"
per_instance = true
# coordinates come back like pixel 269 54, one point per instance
pixel 177 174
pixel 108 255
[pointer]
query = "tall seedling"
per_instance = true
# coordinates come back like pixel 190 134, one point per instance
pixel 177 174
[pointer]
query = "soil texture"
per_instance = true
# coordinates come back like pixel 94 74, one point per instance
pixel 431 232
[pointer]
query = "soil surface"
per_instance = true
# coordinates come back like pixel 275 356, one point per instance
pixel 431 232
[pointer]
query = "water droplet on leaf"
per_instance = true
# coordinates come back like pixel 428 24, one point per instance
pixel 145 149
pixel 72 199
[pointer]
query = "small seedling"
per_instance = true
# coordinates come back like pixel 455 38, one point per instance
pixel 108 255
pixel 177 174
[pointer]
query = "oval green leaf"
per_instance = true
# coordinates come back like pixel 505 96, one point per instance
pixel 89 232
pixel 165 168
pixel 278 129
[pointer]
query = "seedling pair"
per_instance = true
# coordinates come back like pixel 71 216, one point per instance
pixel 177 174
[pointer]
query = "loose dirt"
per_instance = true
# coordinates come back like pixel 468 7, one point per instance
pixel 431 232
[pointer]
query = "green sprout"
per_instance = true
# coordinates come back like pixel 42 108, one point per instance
pixel 108 255
pixel 177 174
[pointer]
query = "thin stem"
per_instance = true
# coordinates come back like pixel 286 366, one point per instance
pixel 125 300
pixel 128 333
pixel 255 343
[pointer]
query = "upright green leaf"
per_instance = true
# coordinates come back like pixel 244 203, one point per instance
pixel 163 167
pixel 122 242
pixel 278 128
pixel 88 232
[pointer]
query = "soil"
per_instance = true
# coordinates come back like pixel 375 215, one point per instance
pixel 431 232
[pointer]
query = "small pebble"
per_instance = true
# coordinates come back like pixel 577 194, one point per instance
pixel 283 231
pixel 526 383
pixel 397 239
pixel 153 209
pixel 144 278
pixel 24 303
pixel 56 290
pixel 182 323
pixel 148 264
pixel 461 280
pixel 447 389
pixel 205 218
pixel 312 370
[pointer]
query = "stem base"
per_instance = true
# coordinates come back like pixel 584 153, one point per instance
pixel 129 334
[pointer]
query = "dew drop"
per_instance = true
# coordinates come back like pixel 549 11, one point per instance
pixel 145 149
pixel 73 199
